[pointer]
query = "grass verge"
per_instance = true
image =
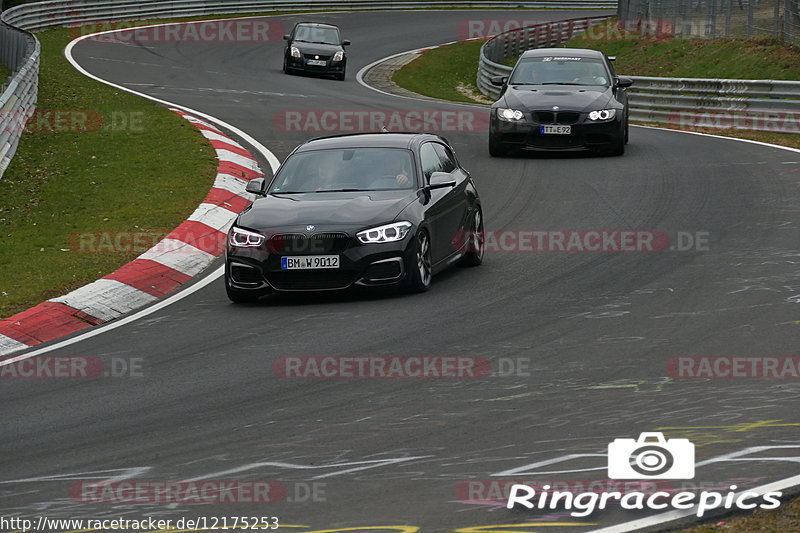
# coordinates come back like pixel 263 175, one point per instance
pixel 93 159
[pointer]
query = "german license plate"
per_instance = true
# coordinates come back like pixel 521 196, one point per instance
pixel 309 262
pixel 315 62
pixel 555 130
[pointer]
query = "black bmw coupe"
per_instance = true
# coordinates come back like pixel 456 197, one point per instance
pixel 560 99
pixel 364 209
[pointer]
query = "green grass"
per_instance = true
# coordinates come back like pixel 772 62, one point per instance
pixel 117 178
pixel 438 72
pixel 5 73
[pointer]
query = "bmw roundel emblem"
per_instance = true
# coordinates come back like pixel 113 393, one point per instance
pixel 556 108
pixel 316 57
pixel 310 227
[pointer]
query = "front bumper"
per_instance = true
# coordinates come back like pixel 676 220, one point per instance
pixel 259 269
pixel 330 67
pixel 585 134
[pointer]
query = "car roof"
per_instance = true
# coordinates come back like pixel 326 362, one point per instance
pixel 369 140
pixel 566 52
pixel 317 25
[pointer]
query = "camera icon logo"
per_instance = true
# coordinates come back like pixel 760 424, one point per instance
pixel 644 459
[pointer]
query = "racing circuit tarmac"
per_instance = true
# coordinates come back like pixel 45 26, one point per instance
pixel 578 342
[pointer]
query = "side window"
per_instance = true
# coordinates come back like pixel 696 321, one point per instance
pixel 430 160
pixel 446 160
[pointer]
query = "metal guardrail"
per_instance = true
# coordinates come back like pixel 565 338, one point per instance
pixel 767 105
pixel 20 52
pixel 60 12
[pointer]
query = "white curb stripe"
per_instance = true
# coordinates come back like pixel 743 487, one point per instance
pixel 8 345
pixel 218 136
pixel 227 155
pixel 214 216
pixel 232 184
pixel 179 256
pixel 105 299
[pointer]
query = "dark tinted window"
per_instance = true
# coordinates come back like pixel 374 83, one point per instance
pixel 446 160
pixel 430 160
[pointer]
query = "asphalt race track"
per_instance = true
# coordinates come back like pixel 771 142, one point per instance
pixel 579 342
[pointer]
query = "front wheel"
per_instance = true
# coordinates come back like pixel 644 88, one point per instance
pixel 420 271
pixel 340 77
pixel 476 244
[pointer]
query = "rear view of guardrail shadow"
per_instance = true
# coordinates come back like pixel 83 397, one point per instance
pixel 19 51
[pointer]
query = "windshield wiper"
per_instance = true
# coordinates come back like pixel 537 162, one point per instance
pixel 288 192
pixel 342 190
pixel 562 83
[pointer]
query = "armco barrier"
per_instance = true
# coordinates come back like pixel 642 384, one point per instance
pixel 767 105
pixel 19 51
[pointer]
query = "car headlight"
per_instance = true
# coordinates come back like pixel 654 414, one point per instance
pixel 602 114
pixel 509 114
pixel 388 233
pixel 338 56
pixel 245 239
pixel 295 51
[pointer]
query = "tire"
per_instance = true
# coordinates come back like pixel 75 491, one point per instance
pixel 618 147
pixel 237 296
pixel 419 272
pixel 496 149
pixel 476 242
pixel 340 77
pixel 626 130
pixel 286 69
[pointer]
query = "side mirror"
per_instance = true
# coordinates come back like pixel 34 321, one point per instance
pixel 623 83
pixel 345 43
pixel 440 180
pixel 498 81
pixel 255 186
pixel 286 37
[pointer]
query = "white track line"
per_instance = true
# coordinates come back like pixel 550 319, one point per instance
pixel 268 155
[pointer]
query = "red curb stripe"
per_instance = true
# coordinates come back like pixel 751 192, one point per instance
pixel 150 276
pixel 238 150
pixel 234 169
pixel 227 200
pixel 45 322
pixel 200 236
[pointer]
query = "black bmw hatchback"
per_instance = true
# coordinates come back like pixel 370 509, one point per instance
pixel 315 48
pixel 363 209
pixel 560 99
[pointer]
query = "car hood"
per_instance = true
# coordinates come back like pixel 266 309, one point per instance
pixel 566 97
pixel 325 210
pixel 314 48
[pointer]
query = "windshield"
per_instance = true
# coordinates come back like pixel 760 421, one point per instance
pixel 560 70
pixel 352 169
pixel 315 34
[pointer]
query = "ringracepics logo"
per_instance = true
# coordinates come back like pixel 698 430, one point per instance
pixel 206 31
pixel 637 459
pixel 349 121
